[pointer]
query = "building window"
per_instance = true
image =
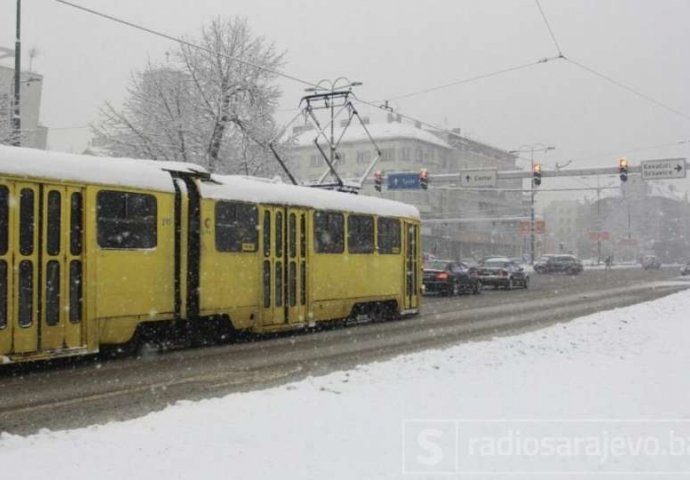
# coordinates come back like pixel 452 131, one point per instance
pixel 126 220
pixel 236 227
pixel 342 158
pixel 387 154
pixel 360 234
pixel 329 232
pixel 363 157
pixel 405 154
pixel 315 160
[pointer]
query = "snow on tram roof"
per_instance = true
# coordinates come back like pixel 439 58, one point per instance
pixel 154 175
pixel 235 187
pixel 66 167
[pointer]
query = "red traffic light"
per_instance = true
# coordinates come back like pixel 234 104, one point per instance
pixel 378 180
pixel 536 174
pixel 424 178
pixel 623 169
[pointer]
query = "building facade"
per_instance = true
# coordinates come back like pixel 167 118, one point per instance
pixel 33 134
pixel 457 223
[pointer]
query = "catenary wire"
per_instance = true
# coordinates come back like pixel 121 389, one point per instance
pixel 184 42
pixel 628 88
pixel 473 78
pixel 548 26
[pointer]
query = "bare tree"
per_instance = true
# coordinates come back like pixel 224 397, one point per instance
pixel 202 105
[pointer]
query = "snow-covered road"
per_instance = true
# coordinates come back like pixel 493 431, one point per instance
pixel 621 373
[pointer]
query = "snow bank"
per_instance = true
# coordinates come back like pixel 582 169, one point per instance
pixel 628 364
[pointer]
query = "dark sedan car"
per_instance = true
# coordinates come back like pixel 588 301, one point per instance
pixel 502 272
pixel 446 277
pixel 559 264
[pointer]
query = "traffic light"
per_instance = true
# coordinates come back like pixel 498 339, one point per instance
pixel 536 174
pixel 623 169
pixel 378 180
pixel 424 178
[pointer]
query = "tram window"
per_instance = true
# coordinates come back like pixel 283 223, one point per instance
pixel 303 235
pixel 292 235
pixel 292 286
pixel 303 286
pixel 126 220
pixel 267 284
pixel 53 227
pixel 267 234
pixel 279 234
pixel 389 235
pixel 3 294
pixel 360 234
pixel 53 293
pixel 75 227
pixel 75 291
pixel 329 235
pixel 236 227
pixel 26 221
pixel 4 218
pixel 279 284
pixel 26 293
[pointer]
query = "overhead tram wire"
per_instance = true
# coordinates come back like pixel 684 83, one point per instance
pixel 548 26
pixel 185 42
pixel 475 78
pixel 629 89
pixel 606 77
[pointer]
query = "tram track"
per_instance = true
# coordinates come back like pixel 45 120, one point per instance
pixel 85 392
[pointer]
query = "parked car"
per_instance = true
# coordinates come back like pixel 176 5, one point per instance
pixel 568 264
pixel 502 272
pixel 685 269
pixel 446 277
pixel 650 262
pixel 485 259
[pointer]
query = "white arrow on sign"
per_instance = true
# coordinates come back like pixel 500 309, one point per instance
pixel 664 168
pixel 478 178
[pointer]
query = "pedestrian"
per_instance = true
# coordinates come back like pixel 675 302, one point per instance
pixel 608 262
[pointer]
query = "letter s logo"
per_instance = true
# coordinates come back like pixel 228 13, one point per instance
pixel 428 440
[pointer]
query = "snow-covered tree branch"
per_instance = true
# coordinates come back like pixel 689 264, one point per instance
pixel 201 105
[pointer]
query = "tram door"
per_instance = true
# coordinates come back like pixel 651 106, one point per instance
pixel 411 252
pixel 61 312
pixel 41 245
pixel 284 268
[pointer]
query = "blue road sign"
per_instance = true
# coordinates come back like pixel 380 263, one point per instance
pixel 403 181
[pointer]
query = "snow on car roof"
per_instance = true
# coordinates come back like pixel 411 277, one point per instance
pixel 69 167
pixel 235 187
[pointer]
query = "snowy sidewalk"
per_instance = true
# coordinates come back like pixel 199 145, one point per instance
pixel 631 363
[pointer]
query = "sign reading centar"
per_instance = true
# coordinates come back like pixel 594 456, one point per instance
pixel 478 178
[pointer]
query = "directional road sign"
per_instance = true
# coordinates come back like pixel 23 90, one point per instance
pixel 403 181
pixel 664 168
pixel 478 178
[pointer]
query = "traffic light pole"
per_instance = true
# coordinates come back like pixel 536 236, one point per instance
pixel 532 239
pixel 16 113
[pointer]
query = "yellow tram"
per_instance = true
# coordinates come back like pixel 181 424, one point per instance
pixel 97 251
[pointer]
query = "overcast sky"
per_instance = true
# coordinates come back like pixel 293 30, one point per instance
pixel 399 46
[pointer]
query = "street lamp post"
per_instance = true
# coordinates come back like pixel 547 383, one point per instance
pixel 537 147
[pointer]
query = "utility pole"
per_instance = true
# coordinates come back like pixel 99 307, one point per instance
pixel 16 114
pixel 537 147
